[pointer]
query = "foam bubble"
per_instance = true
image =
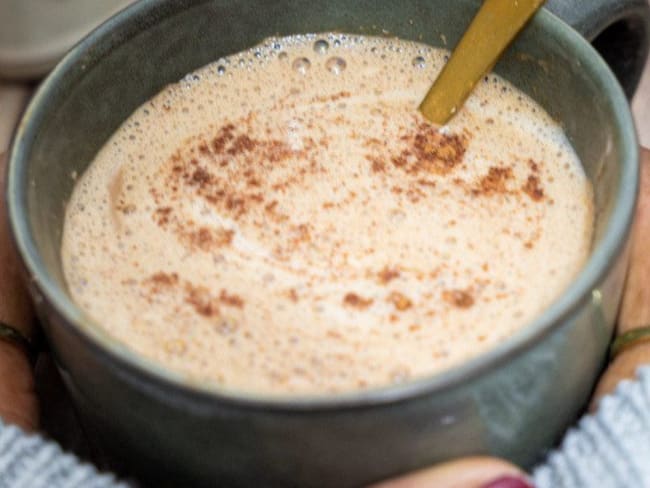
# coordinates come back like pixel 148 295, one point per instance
pixel 321 46
pixel 301 65
pixel 419 62
pixel 336 65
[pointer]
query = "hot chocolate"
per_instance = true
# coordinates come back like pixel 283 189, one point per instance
pixel 284 221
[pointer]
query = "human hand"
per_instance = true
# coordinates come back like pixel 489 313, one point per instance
pixel 486 472
pixel 18 404
pixel 635 306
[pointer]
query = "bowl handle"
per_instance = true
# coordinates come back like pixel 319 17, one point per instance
pixel 618 29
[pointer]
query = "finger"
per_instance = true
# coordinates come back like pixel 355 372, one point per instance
pixel 18 403
pixel 15 307
pixel 623 367
pixel 635 307
pixel 472 472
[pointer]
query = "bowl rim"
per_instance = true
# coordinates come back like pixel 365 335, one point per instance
pixel 159 379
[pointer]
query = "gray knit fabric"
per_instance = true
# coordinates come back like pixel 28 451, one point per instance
pixel 28 461
pixel 610 449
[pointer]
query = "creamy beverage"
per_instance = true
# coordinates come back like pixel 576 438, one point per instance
pixel 284 221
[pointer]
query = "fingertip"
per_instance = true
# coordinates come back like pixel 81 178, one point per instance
pixel 471 472
pixel 508 482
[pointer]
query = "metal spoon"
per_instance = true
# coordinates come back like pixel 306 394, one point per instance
pixel 495 25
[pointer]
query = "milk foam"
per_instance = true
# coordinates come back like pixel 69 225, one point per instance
pixel 284 221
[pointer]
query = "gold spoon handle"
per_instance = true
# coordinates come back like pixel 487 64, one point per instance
pixel 495 25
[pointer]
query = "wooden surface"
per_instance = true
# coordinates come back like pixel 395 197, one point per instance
pixel 641 108
pixel 12 98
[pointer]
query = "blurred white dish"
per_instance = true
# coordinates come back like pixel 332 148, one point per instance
pixel 34 34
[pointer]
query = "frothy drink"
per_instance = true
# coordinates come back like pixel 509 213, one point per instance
pixel 285 221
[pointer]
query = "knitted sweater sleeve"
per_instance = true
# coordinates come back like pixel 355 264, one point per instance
pixel 30 461
pixel 610 449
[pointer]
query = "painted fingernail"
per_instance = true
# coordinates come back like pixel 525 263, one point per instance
pixel 508 482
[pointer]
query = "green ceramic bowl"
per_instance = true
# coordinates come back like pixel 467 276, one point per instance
pixel 515 401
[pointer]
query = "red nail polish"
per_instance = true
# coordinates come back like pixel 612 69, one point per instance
pixel 508 482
